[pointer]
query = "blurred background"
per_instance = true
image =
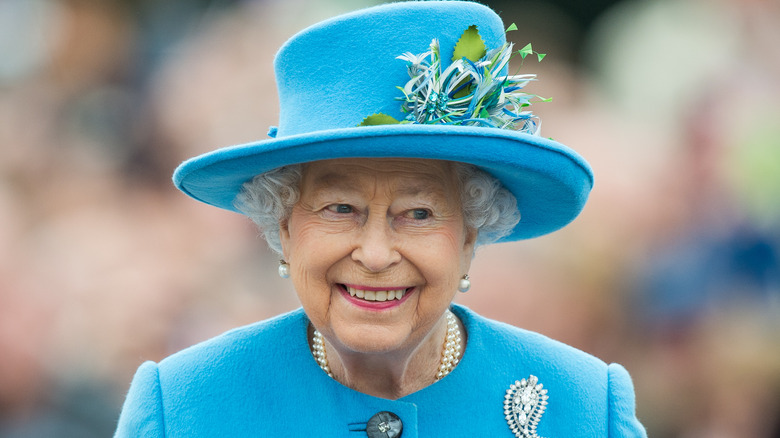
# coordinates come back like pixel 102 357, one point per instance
pixel 673 268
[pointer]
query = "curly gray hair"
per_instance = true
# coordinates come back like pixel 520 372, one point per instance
pixel 488 207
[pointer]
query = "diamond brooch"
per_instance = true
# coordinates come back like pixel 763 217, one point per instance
pixel 524 404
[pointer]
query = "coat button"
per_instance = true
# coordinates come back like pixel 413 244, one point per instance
pixel 384 425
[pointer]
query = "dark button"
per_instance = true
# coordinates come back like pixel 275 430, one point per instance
pixel 384 425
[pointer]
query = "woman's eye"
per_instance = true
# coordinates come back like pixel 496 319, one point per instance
pixel 340 208
pixel 418 214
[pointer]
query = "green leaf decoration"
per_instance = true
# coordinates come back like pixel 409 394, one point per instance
pixel 511 27
pixel 545 99
pixel 379 119
pixel 463 93
pixel 470 46
pixel 525 51
pixel 541 56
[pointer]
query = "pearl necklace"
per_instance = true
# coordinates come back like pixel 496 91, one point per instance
pixel 450 355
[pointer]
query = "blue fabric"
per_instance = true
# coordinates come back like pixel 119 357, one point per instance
pixel 261 380
pixel 334 74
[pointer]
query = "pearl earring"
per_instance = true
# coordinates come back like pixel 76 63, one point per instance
pixel 284 269
pixel 465 284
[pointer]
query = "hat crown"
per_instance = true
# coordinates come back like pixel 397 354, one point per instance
pixel 336 73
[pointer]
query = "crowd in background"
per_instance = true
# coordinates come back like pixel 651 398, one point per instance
pixel 673 268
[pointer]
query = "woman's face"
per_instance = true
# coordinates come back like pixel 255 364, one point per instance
pixel 376 248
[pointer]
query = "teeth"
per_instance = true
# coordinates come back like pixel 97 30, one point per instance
pixel 379 295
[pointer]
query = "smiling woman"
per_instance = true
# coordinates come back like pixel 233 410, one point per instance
pixel 375 204
pixel 373 227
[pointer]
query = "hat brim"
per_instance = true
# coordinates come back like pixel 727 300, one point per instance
pixel 550 181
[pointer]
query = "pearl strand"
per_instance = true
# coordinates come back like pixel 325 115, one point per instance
pixel 450 355
pixel 318 350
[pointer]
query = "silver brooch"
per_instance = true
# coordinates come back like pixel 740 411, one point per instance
pixel 524 404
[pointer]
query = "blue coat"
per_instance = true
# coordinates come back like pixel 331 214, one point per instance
pixel 261 380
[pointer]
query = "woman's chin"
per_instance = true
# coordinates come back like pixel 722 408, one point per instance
pixel 368 345
pixel 368 338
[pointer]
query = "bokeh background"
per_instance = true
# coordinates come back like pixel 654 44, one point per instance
pixel 673 268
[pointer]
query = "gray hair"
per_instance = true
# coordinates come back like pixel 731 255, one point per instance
pixel 488 207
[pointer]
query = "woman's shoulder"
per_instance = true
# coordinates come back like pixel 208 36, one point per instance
pixel 255 341
pixel 499 354
pixel 513 343
pixel 582 388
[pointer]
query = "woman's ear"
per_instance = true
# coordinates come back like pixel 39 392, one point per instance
pixel 284 237
pixel 471 238
pixel 470 243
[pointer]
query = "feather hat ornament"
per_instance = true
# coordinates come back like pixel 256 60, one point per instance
pixel 473 90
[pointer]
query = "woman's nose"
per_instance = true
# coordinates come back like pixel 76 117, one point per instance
pixel 376 247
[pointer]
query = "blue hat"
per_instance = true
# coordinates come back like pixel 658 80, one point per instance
pixel 359 69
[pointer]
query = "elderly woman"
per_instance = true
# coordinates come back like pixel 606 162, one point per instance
pixel 403 144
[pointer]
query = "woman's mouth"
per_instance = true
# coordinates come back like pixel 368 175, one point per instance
pixel 376 295
pixel 375 298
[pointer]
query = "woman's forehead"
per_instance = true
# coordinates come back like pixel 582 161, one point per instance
pixel 404 175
